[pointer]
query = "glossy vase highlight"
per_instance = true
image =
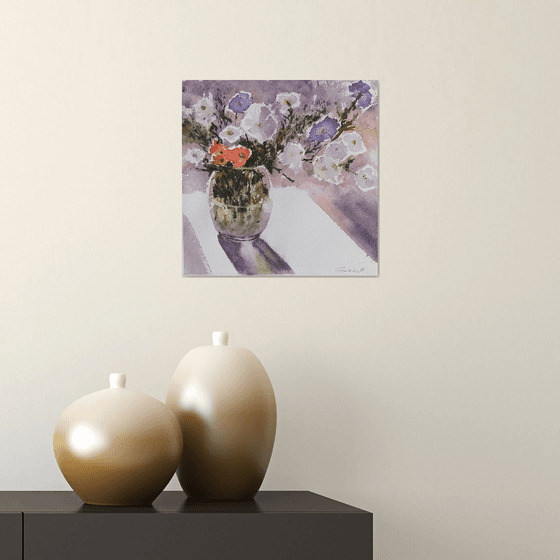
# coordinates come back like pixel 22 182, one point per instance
pixel 225 404
pixel 240 204
pixel 118 447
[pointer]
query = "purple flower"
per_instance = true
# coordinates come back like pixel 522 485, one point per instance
pixel 365 100
pixel 323 130
pixel 366 96
pixel 358 87
pixel 241 102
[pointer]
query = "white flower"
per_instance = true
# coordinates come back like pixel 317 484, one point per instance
pixel 366 178
pixel 259 122
pixel 287 100
pixel 204 111
pixel 337 150
pixel 292 156
pixel 354 143
pixel 326 169
pixel 194 156
pixel 187 112
pixel 374 94
pixel 231 134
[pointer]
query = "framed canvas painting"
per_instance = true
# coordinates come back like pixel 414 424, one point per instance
pixel 280 178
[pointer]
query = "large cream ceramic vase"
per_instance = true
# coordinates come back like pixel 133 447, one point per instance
pixel 225 404
pixel 118 447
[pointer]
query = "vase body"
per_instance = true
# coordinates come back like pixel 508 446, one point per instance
pixel 118 447
pixel 240 204
pixel 225 405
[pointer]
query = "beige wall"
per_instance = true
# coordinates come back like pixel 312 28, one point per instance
pixel 429 395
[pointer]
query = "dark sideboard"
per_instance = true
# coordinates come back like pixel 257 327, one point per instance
pixel 274 526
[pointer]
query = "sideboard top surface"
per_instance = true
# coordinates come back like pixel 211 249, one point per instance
pixel 175 502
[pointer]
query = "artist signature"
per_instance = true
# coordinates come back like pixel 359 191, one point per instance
pixel 349 269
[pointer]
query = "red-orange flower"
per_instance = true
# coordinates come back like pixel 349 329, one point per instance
pixel 218 152
pixel 238 156
pixel 219 160
pixel 219 148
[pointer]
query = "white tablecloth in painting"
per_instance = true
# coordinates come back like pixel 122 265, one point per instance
pixel 299 231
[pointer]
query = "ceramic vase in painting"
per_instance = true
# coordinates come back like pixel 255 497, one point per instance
pixel 240 204
pixel 118 447
pixel 225 404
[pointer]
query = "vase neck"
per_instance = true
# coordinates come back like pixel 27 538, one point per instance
pixel 220 338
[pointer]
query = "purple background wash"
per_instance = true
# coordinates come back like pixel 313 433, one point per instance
pixel 356 212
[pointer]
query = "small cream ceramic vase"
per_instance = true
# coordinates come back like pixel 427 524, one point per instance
pixel 118 447
pixel 225 404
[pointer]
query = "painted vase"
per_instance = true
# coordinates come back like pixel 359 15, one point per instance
pixel 240 204
pixel 118 447
pixel 225 404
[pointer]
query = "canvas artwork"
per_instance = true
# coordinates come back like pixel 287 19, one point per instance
pixel 280 178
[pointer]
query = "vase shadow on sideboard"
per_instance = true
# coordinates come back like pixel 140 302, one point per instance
pixel 89 508
pixel 216 506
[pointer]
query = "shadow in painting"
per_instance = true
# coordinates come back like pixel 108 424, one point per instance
pixel 360 219
pixel 254 257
